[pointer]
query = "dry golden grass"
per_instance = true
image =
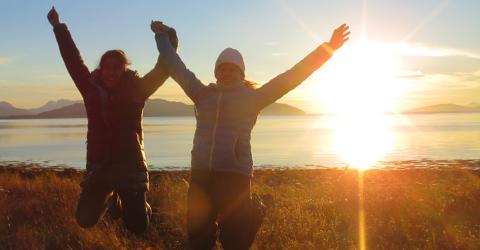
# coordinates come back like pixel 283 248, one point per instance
pixel 307 209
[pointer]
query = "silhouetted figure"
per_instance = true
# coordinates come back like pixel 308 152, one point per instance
pixel 114 98
pixel 219 197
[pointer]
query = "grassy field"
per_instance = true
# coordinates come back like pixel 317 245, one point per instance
pixel 307 209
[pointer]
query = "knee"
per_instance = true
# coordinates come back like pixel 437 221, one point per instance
pixel 89 211
pixel 136 213
pixel 85 219
pixel 136 226
pixel 137 218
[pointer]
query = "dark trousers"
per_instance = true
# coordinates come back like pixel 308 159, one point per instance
pixel 93 202
pixel 219 204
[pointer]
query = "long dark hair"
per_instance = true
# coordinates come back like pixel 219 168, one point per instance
pixel 118 54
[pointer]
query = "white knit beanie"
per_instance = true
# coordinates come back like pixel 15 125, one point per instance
pixel 232 56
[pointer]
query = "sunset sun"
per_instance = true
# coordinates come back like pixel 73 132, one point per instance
pixel 364 77
pixel 361 84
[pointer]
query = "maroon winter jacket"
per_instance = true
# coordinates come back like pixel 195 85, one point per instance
pixel 115 136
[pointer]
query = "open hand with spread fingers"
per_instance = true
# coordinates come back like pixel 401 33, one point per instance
pixel 339 37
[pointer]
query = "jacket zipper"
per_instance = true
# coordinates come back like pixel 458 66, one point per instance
pixel 235 156
pixel 214 132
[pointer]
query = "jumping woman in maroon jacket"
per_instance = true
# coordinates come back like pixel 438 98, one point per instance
pixel 114 98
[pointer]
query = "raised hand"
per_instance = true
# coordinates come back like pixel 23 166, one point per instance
pixel 52 17
pixel 158 27
pixel 339 37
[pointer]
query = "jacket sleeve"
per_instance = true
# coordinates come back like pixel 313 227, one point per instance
pixel 71 57
pixel 285 82
pixel 159 74
pixel 150 82
pixel 190 84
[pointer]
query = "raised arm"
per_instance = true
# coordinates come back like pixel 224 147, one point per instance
pixel 159 74
pixel 190 84
pixel 71 56
pixel 285 82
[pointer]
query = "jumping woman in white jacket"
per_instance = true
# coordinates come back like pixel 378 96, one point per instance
pixel 219 195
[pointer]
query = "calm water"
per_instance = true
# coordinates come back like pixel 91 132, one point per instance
pixel 277 140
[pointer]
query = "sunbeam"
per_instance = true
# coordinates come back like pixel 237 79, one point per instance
pixel 298 21
pixel 362 238
pixel 428 18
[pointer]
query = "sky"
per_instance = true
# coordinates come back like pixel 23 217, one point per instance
pixel 416 53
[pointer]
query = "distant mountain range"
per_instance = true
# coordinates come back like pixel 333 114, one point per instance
pixel 7 109
pixel 159 107
pixel 154 107
pixel 52 105
pixel 446 108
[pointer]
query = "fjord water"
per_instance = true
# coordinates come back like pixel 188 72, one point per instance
pixel 277 141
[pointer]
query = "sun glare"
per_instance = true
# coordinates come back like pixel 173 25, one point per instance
pixel 361 78
pixel 359 86
pixel 362 140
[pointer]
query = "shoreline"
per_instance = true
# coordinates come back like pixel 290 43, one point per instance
pixel 467 164
pixel 35 117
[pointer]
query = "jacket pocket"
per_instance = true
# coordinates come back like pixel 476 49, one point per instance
pixel 200 151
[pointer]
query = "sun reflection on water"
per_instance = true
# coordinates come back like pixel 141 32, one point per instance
pixel 363 140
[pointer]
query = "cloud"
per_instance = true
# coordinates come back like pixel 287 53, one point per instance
pixel 429 89
pixel 414 50
pixel 458 81
pixel 279 54
pixel 476 73
pixel 419 50
pixel 5 60
pixel 412 74
pixel 271 43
